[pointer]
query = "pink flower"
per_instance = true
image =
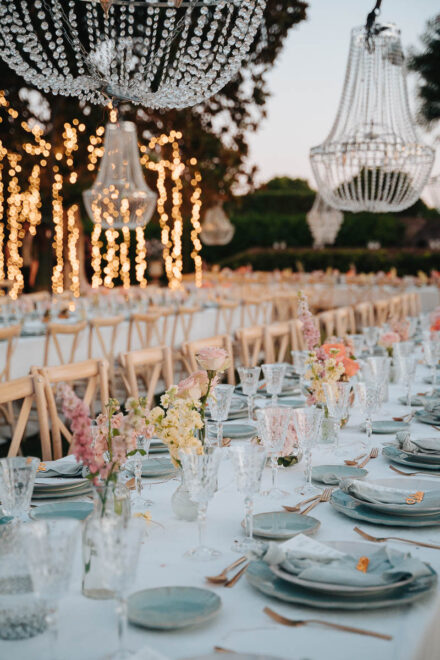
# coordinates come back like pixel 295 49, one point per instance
pixel 388 339
pixel 310 327
pixel 291 442
pixel 213 358
pixel 193 387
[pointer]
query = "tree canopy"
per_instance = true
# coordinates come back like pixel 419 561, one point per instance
pixel 427 65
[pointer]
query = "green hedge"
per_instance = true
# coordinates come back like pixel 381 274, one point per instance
pixel 407 262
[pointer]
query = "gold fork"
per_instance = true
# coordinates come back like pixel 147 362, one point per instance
pixel 300 504
pixel 237 576
pixel 337 626
pixel 354 461
pixel 411 474
pixel 324 497
pixel 374 453
pixel 222 577
pixel 382 539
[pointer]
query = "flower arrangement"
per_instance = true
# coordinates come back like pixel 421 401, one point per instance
pixel 435 320
pixel 179 421
pixel 328 362
pixel 387 341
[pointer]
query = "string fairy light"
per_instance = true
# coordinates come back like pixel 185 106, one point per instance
pixel 15 261
pixel 57 216
pixel 72 243
pixel 141 257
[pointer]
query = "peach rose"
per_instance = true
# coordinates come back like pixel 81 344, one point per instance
pixel 335 351
pixel 212 358
pixel 351 367
pixel 193 387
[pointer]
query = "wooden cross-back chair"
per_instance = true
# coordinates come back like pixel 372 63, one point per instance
pixel 250 343
pixel 191 348
pixel 150 327
pixel 253 312
pixel 381 311
pixel 277 338
pixel 297 341
pixel 415 303
pixel 345 322
pixel 149 364
pixel 107 344
pixel 29 390
pixel 9 335
pixel 364 315
pixel 327 323
pixel 182 326
pixel 225 316
pixel 54 332
pixel 396 307
pixel 93 372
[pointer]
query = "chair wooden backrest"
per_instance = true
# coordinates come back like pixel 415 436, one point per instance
pixel 250 343
pixel 183 319
pixel 191 348
pixel 56 330
pixel 254 311
pixel 29 390
pixel 297 341
pixel 415 303
pixel 225 316
pixel 277 342
pixel 382 311
pixel 396 307
pixel 345 321
pixel 94 372
pixel 107 344
pixel 9 334
pixel 150 327
pixel 327 323
pixel 364 315
pixel 150 364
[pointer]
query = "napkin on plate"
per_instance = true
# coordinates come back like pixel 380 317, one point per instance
pixel 311 560
pixel 432 406
pixel 418 445
pixel 378 494
pixel 63 467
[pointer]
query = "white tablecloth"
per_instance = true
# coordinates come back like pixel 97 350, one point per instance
pixel 88 627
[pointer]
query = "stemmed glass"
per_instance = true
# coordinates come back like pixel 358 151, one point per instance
pixel 299 359
pixel 431 350
pixel 274 377
pixel 118 546
pixel 378 369
pixel 143 447
pixel 248 462
pixel 273 425
pixel 50 548
pixel 200 476
pixel 219 405
pixel 249 379
pixel 307 423
pixel 371 334
pixel 407 369
pixel 17 477
pixel 337 396
pixel 368 396
pixel 358 342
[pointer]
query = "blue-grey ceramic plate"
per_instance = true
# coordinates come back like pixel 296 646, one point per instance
pixel 427 418
pixel 422 457
pixel 170 608
pixel 428 506
pixel 4 520
pixel 352 508
pixel 157 467
pixel 415 400
pixel 280 525
pixel 331 474
pixel 261 577
pixel 235 430
pixel 76 510
pixel 398 456
pixel 292 403
pixel 387 426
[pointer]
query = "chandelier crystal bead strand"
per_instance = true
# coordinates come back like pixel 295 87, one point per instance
pixel 161 54
pixel 324 222
pixel 373 159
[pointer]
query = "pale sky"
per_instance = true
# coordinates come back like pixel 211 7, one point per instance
pixel 307 80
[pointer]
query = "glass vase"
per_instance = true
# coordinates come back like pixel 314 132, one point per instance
pixel 112 499
pixel 181 503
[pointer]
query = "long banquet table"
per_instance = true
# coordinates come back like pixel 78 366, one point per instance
pixel 88 627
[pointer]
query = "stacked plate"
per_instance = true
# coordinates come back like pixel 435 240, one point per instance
pixel 54 488
pixel 422 460
pixel 160 466
pixel 234 430
pixel 404 511
pixel 238 409
pixel 427 417
pixel 290 387
pixel 158 447
pixel 338 593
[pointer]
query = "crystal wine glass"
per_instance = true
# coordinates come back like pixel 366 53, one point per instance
pixel 307 423
pixel 249 379
pixel 200 476
pixel 378 369
pixel 368 396
pixel 337 396
pixel 118 545
pixel 273 424
pixel 139 501
pixel 299 359
pixel 50 548
pixel 407 369
pixel 358 342
pixel 248 462
pixel 219 405
pixel 274 377
pixel 371 334
pixel 431 350
pixel 17 477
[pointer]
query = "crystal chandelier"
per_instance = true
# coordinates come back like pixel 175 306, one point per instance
pixel 373 160
pixel 217 229
pixel 324 222
pixel 433 192
pixel 158 53
pixel 119 196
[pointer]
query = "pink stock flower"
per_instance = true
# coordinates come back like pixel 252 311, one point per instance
pixel 310 327
pixel 213 358
pixel 388 339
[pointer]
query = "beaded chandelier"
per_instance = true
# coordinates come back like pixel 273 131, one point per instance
pixel 217 229
pixel 158 53
pixel 324 222
pixel 433 192
pixel 373 160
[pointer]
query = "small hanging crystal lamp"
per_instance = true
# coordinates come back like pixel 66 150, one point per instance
pixel 373 160
pixel 433 192
pixel 217 229
pixel 120 196
pixel 324 222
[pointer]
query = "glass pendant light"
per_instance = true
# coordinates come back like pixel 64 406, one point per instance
pixel 217 229
pixel 324 222
pixel 373 160
pixel 120 196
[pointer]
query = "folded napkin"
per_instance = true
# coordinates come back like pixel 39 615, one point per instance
pixel 432 406
pixel 377 494
pixel 317 562
pixel 63 467
pixel 418 445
